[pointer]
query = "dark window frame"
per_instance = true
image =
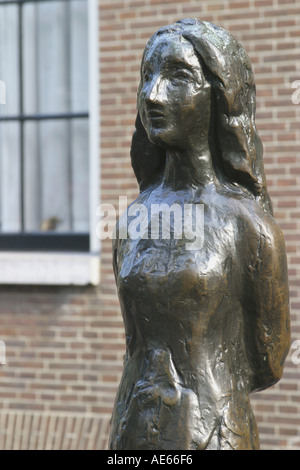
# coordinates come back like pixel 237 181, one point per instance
pixel 37 241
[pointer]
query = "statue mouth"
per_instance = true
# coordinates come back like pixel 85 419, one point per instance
pixel 155 113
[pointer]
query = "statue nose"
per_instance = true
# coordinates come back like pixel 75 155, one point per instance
pixel 156 92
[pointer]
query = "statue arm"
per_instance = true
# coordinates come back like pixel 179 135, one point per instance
pixel 267 305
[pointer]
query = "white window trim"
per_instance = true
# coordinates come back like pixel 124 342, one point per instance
pixel 49 268
pixel 59 268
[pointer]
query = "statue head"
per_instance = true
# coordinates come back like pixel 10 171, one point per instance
pixel 174 97
pixel 225 111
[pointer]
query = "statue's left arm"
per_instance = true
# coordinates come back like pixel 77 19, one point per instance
pixel 267 323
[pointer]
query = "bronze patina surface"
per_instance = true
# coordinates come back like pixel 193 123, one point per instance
pixel 205 327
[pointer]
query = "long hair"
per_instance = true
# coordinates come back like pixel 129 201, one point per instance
pixel 235 145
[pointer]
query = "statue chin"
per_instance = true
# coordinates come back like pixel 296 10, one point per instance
pixel 161 138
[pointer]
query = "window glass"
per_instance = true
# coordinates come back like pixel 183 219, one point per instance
pixel 44 126
pixel 55 57
pixel 56 155
pixel 9 58
pixel 10 177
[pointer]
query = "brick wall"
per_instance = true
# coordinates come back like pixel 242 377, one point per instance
pixel 63 358
pixel 65 345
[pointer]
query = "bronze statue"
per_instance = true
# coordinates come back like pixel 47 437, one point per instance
pixel 204 327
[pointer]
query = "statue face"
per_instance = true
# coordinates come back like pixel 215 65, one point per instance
pixel 174 96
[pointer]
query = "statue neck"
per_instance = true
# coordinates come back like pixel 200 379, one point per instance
pixel 191 168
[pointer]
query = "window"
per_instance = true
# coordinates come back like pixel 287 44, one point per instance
pixel 48 146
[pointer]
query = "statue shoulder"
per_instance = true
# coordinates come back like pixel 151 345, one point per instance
pixel 262 237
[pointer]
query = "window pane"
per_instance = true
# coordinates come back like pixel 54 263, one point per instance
pixel 53 153
pixel 55 57
pixel 10 181
pixel 32 176
pixel 80 175
pixel 9 58
pixel 56 176
pixel 79 56
pixel 47 154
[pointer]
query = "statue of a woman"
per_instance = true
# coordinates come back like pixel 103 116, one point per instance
pixel 204 327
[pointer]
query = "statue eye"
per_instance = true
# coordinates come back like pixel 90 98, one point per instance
pixel 181 75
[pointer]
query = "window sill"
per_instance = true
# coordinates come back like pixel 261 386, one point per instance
pixel 40 268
